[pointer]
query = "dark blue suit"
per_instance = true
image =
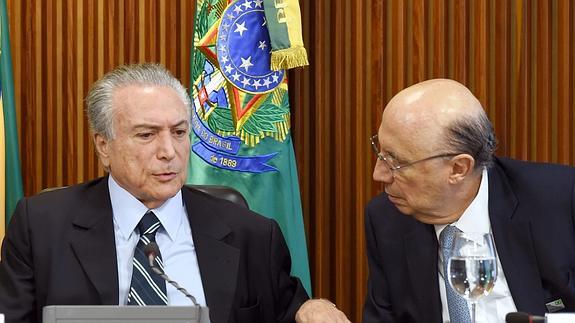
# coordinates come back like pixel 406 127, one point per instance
pixel 60 249
pixel 532 213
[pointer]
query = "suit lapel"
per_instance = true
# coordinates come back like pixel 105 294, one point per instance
pixel 217 260
pixel 421 253
pixel 512 235
pixel 93 242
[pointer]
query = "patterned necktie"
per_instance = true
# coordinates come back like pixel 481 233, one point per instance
pixel 458 310
pixel 147 287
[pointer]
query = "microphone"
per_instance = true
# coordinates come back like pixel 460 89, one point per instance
pixel 151 250
pixel 521 317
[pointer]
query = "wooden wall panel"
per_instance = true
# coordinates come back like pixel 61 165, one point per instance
pixel 60 48
pixel 517 56
pixel 334 111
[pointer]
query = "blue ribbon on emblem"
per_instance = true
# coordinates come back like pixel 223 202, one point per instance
pixel 230 144
pixel 215 150
pixel 252 164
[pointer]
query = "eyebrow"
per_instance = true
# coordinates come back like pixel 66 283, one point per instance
pixel 153 126
pixel 394 156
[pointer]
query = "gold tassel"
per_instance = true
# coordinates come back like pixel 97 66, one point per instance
pixel 289 58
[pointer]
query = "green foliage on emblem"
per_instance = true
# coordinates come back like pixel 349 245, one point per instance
pixel 284 105
pixel 265 119
pixel 200 28
pixel 221 120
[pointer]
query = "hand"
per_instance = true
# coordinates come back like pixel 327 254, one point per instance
pixel 320 311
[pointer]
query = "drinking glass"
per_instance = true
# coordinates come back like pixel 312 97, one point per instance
pixel 472 266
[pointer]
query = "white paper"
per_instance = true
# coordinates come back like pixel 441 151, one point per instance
pixel 560 317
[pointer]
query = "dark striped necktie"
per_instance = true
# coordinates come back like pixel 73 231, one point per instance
pixel 147 287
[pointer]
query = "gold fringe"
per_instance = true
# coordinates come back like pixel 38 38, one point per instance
pixel 289 58
pixel 250 140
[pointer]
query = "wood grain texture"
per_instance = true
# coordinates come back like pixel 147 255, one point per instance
pixel 60 48
pixel 517 56
pixel 507 52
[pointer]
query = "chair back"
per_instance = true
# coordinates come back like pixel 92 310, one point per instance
pixel 223 192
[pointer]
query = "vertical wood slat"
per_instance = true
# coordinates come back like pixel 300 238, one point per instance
pixel 81 136
pixel 58 104
pixel 339 121
pixel 542 105
pixel 418 49
pixel 499 80
pixel 565 102
pixel 518 57
pixel 37 105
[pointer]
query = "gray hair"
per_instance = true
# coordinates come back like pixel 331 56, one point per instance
pixel 474 136
pixel 99 98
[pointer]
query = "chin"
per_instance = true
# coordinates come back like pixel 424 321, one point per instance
pixel 405 209
pixel 169 192
pixel 422 219
pixel 427 219
pixel 166 190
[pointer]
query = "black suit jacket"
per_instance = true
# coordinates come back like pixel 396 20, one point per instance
pixel 60 249
pixel 532 213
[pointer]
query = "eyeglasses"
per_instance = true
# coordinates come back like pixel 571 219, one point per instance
pixel 392 163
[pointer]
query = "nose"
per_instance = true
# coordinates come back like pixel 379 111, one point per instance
pixel 382 173
pixel 166 147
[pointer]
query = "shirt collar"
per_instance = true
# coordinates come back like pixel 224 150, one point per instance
pixel 476 217
pixel 128 210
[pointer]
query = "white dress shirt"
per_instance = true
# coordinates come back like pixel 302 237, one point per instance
pixel 174 239
pixel 493 307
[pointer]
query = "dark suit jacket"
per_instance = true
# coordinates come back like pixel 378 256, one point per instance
pixel 532 213
pixel 60 249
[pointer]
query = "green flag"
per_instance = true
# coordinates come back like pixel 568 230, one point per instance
pixel 11 179
pixel 241 117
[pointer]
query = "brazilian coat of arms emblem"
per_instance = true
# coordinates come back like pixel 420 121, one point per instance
pixel 238 100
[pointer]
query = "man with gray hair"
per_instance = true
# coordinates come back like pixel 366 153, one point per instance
pixel 434 152
pixel 89 244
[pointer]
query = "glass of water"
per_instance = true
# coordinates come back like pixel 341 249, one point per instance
pixel 472 266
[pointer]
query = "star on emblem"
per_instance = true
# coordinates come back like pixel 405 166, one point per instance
pixel 246 81
pixel 243 93
pixel 275 78
pixel 247 63
pixel 240 28
pixel 247 4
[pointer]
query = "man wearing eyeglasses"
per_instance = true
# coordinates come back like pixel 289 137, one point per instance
pixel 435 158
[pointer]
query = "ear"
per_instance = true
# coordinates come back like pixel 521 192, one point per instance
pixel 103 149
pixel 462 166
